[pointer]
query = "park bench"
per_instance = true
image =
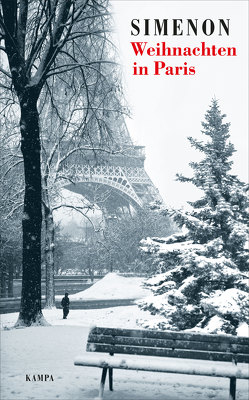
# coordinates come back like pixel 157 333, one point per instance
pixel 151 350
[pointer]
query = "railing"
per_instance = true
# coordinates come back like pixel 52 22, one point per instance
pixel 125 156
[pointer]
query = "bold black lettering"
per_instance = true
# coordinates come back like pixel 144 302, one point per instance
pixel 136 27
pixel 204 27
pixel 193 27
pixel 224 25
pixel 176 27
pixel 146 27
pixel 163 26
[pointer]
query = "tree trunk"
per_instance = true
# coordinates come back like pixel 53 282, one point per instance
pixel 3 284
pixel 10 280
pixel 49 258
pixel 111 265
pixel 90 269
pixel 30 312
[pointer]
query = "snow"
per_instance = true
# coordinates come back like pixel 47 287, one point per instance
pixel 163 364
pixel 228 302
pixel 243 329
pixel 114 286
pixel 114 317
pixel 152 245
pixel 215 325
pixel 192 270
pixel 51 350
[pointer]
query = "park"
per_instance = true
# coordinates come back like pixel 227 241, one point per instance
pixel 124 262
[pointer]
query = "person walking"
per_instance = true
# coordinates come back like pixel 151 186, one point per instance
pixel 65 305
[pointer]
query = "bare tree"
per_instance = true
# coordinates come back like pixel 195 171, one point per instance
pixel 11 203
pixel 43 40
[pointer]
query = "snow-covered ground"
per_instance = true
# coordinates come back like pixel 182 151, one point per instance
pixel 127 317
pixel 114 286
pixel 51 350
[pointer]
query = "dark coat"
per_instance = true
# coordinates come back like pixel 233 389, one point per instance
pixel 65 302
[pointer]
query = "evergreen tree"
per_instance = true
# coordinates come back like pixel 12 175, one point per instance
pixel 201 281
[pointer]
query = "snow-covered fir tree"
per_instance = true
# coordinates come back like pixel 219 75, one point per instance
pixel 201 280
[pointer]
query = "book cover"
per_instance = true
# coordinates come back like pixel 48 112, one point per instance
pixel 102 98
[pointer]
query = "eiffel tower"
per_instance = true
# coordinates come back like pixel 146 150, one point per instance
pixel 115 180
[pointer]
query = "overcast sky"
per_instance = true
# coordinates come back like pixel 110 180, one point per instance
pixel 168 109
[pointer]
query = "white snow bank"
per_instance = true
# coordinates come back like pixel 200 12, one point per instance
pixel 114 286
pixel 243 329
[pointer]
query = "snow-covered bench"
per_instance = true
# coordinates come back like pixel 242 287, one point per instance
pixel 149 350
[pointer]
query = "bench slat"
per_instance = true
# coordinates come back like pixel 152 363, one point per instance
pixel 188 336
pixel 168 343
pixel 163 352
pixel 162 365
pixel 162 346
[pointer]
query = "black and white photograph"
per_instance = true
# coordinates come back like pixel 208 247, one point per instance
pixel 124 233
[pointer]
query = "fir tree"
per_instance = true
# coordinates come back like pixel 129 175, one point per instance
pixel 201 279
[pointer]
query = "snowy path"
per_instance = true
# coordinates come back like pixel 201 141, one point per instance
pixel 51 350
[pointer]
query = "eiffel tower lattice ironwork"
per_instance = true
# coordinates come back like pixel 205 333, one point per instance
pixel 113 180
